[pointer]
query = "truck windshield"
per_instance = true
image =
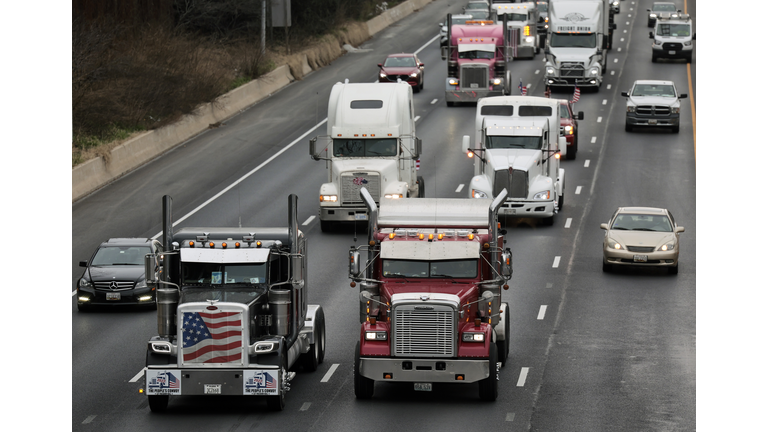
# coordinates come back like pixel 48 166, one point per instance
pixel 515 17
pixel 195 273
pixel 231 294
pixel 477 54
pixel 573 40
pixel 512 142
pixel 463 268
pixel 365 147
pixel 660 90
pixel 674 30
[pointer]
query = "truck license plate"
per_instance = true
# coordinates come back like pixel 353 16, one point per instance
pixel 641 258
pixel 672 53
pixel 361 216
pixel 422 386
pixel 212 388
pixel 652 121
pixel 473 85
pixel 113 296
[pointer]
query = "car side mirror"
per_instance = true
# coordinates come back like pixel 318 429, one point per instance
pixel 421 64
pixel 682 95
pixel 694 36
pixel 379 64
pixel 604 226
pixel 83 263
pixel 679 229
pixel 580 115
pixel 625 94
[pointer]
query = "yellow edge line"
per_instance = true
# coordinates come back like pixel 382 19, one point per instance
pixel 690 93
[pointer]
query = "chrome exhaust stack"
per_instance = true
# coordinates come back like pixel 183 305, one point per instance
pixel 166 295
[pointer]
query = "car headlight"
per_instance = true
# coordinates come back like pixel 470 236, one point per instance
pixel 473 337
pixel 613 244
pixel 542 195
pixel 688 43
pixel 415 74
pixel 616 2
pixel 658 42
pixel 653 15
pixel 497 81
pixel 141 284
pixel 667 247
pixel 630 108
pixel 550 70
pixel 85 283
pixel 569 130
pixel 329 198
pixel 453 81
pixel 382 75
pixel 376 335
pixel 478 194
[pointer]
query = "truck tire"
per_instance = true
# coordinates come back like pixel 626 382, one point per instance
pixel 420 182
pixel 363 385
pixel 158 403
pixel 489 387
pixel 574 148
pixel 314 356
pixel 676 128
pixel 277 403
pixel 503 346
pixel 549 221
pixel 561 199
pixel 326 226
pixel 627 127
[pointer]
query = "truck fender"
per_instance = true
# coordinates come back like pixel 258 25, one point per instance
pixel 499 330
pixel 482 183
pixel 398 188
pixel 310 321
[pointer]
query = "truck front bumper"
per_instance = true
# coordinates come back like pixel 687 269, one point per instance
pixel 424 370
pixel 532 209
pixel 165 380
pixel 525 52
pixel 465 95
pixel 636 120
pixel 343 214
pixel 553 81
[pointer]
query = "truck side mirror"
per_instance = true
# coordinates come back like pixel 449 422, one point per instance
pixel 312 143
pixel 465 143
pixel 417 150
pixel 562 144
pixel 444 51
pixel 580 115
pixel 506 264
pixel 354 263
pixel 150 272
pixel 682 95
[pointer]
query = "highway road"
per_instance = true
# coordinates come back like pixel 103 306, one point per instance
pixel 590 351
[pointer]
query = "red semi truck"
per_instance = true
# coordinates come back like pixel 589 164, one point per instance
pixel 430 294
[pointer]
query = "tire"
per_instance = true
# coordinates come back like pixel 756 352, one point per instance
pixel 277 403
pixel 83 307
pixel 158 403
pixel 450 104
pixel 489 387
pixel 676 129
pixel 420 182
pixel 313 357
pixel 673 270
pixel 561 199
pixel 606 267
pixel 605 68
pixel 421 86
pixel 503 346
pixel 549 221
pixel 363 385
pixel 654 57
pixel 689 58
pixel 627 127
pixel 326 226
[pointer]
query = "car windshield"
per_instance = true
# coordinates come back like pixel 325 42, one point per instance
pixel 664 7
pixel 477 54
pixel 510 142
pixel 515 17
pixel 673 30
pixel 642 222
pixel 658 90
pixel 194 273
pixel 365 147
pixel 478 14
pixel 456 21
pixel 463 268
pixel 120 256
pixel 573 40
pixel 400 62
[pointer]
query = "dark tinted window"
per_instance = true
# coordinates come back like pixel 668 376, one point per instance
pixel 529 111
pixel 366 104
pixel 493 110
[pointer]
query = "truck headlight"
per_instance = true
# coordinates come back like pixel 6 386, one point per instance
pixel 478 194
pixel 497 81
pixel 630 108
pixel 675 110
pixel 473 337
pixel 594 71
pixel 613 244
pixel 529 39
pixel 453 81
pixel 329 198
pixel 688 43
pixel 653 15
pixel 376 335
pixel 542 195
pixel 549 70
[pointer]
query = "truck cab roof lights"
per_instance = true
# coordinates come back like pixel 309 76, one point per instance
pixel 191 243
pixel 212 245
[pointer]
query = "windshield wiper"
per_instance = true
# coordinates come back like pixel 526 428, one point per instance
pixel 397 275
pixel 444 275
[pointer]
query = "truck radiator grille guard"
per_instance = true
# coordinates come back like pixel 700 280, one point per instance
pixel 575 70
pixel 651 110
pixel 515 181
pixel 113 285
pixel 474 77
pixel 212 338
pixel 424 330
pixel 352 182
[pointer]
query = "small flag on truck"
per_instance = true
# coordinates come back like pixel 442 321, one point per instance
pixel 576 94
pixel 523 89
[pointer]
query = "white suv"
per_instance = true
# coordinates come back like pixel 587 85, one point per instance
pixel 653 103
pixel 673 38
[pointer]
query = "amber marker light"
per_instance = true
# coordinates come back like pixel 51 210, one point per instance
pixel 211 245
pixel 431 236
pixel 191 243
pixel 421 236
pixel 258 244
pixel 440 236
pixel 471 236
pixel 391 235
pixel 237 244
pixel 224 245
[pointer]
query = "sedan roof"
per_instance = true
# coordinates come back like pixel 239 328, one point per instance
pixel 642 210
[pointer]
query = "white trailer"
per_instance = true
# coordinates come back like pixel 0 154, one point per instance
pixel 371 142
pixel 517 146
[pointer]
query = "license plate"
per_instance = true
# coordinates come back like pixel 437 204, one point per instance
pixel 641 258
pixel 652 122
pixel 473 85
pixel 212 388
pixel 362 216
pixel 113 296
pixel 422 386
pixel 672 52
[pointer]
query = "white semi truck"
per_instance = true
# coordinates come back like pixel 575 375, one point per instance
pixel 577 43
pixel 517 147
pixel 371 142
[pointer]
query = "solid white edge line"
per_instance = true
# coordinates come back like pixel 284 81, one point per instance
pixel 138 375
pixel 557 262
pixel 240 180
pixel 427 44
pixel 309 219
pixel 330 372
pixel 523 376
pixel 74 292
pixel 542 312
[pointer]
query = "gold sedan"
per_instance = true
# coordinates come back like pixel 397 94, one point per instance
pixel 641 236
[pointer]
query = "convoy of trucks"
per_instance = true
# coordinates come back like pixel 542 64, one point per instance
pixel 232 312
pixel 371 142
pixel 430 280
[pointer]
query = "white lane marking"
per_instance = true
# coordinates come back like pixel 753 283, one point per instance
pixel 536 72
pixel 241 179
pixel 523 376
pixel 542 312
pixel 594 140
pixel 613 72
pixel 330 372
pixel 586 163
pixel 627 22
pixel 605 101
pixel 622 39
pixel 578 190
pixel 629 15
pixel 625 31
pixel 618 49
pixel 138 375
pixel 89 419
pixel 309 219
pixel 74 292
pixel 550 284
pixel 427 44
pixel 305 406
pixel 510 417
pixel 557 262
pixel 609 87
pixel 615 60
pixel 416 118
pixel 458 189
pixel 599 119
pixel 528 86
pixel 434 101
pixel 568 222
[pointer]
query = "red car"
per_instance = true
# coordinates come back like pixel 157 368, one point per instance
pixel 406 67
pixel 569 127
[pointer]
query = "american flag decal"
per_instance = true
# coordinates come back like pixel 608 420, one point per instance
pixel 212 337
pixel 360 181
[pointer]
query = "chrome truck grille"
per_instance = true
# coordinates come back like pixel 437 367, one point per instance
pixel 113 285
pixel 516 182
pixel 424 330
pixel 474 77
pixel 659 110
pixel 352 182
pixel 210 338
pixel 571 70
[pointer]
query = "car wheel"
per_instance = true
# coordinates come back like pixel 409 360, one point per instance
pixel 450 104
pixel 363 385
pixel 326 226
pixel 277 402
pixel 421 86
pixel 574 148
pixel 673 270
pixel 606 267
pixel 654 57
